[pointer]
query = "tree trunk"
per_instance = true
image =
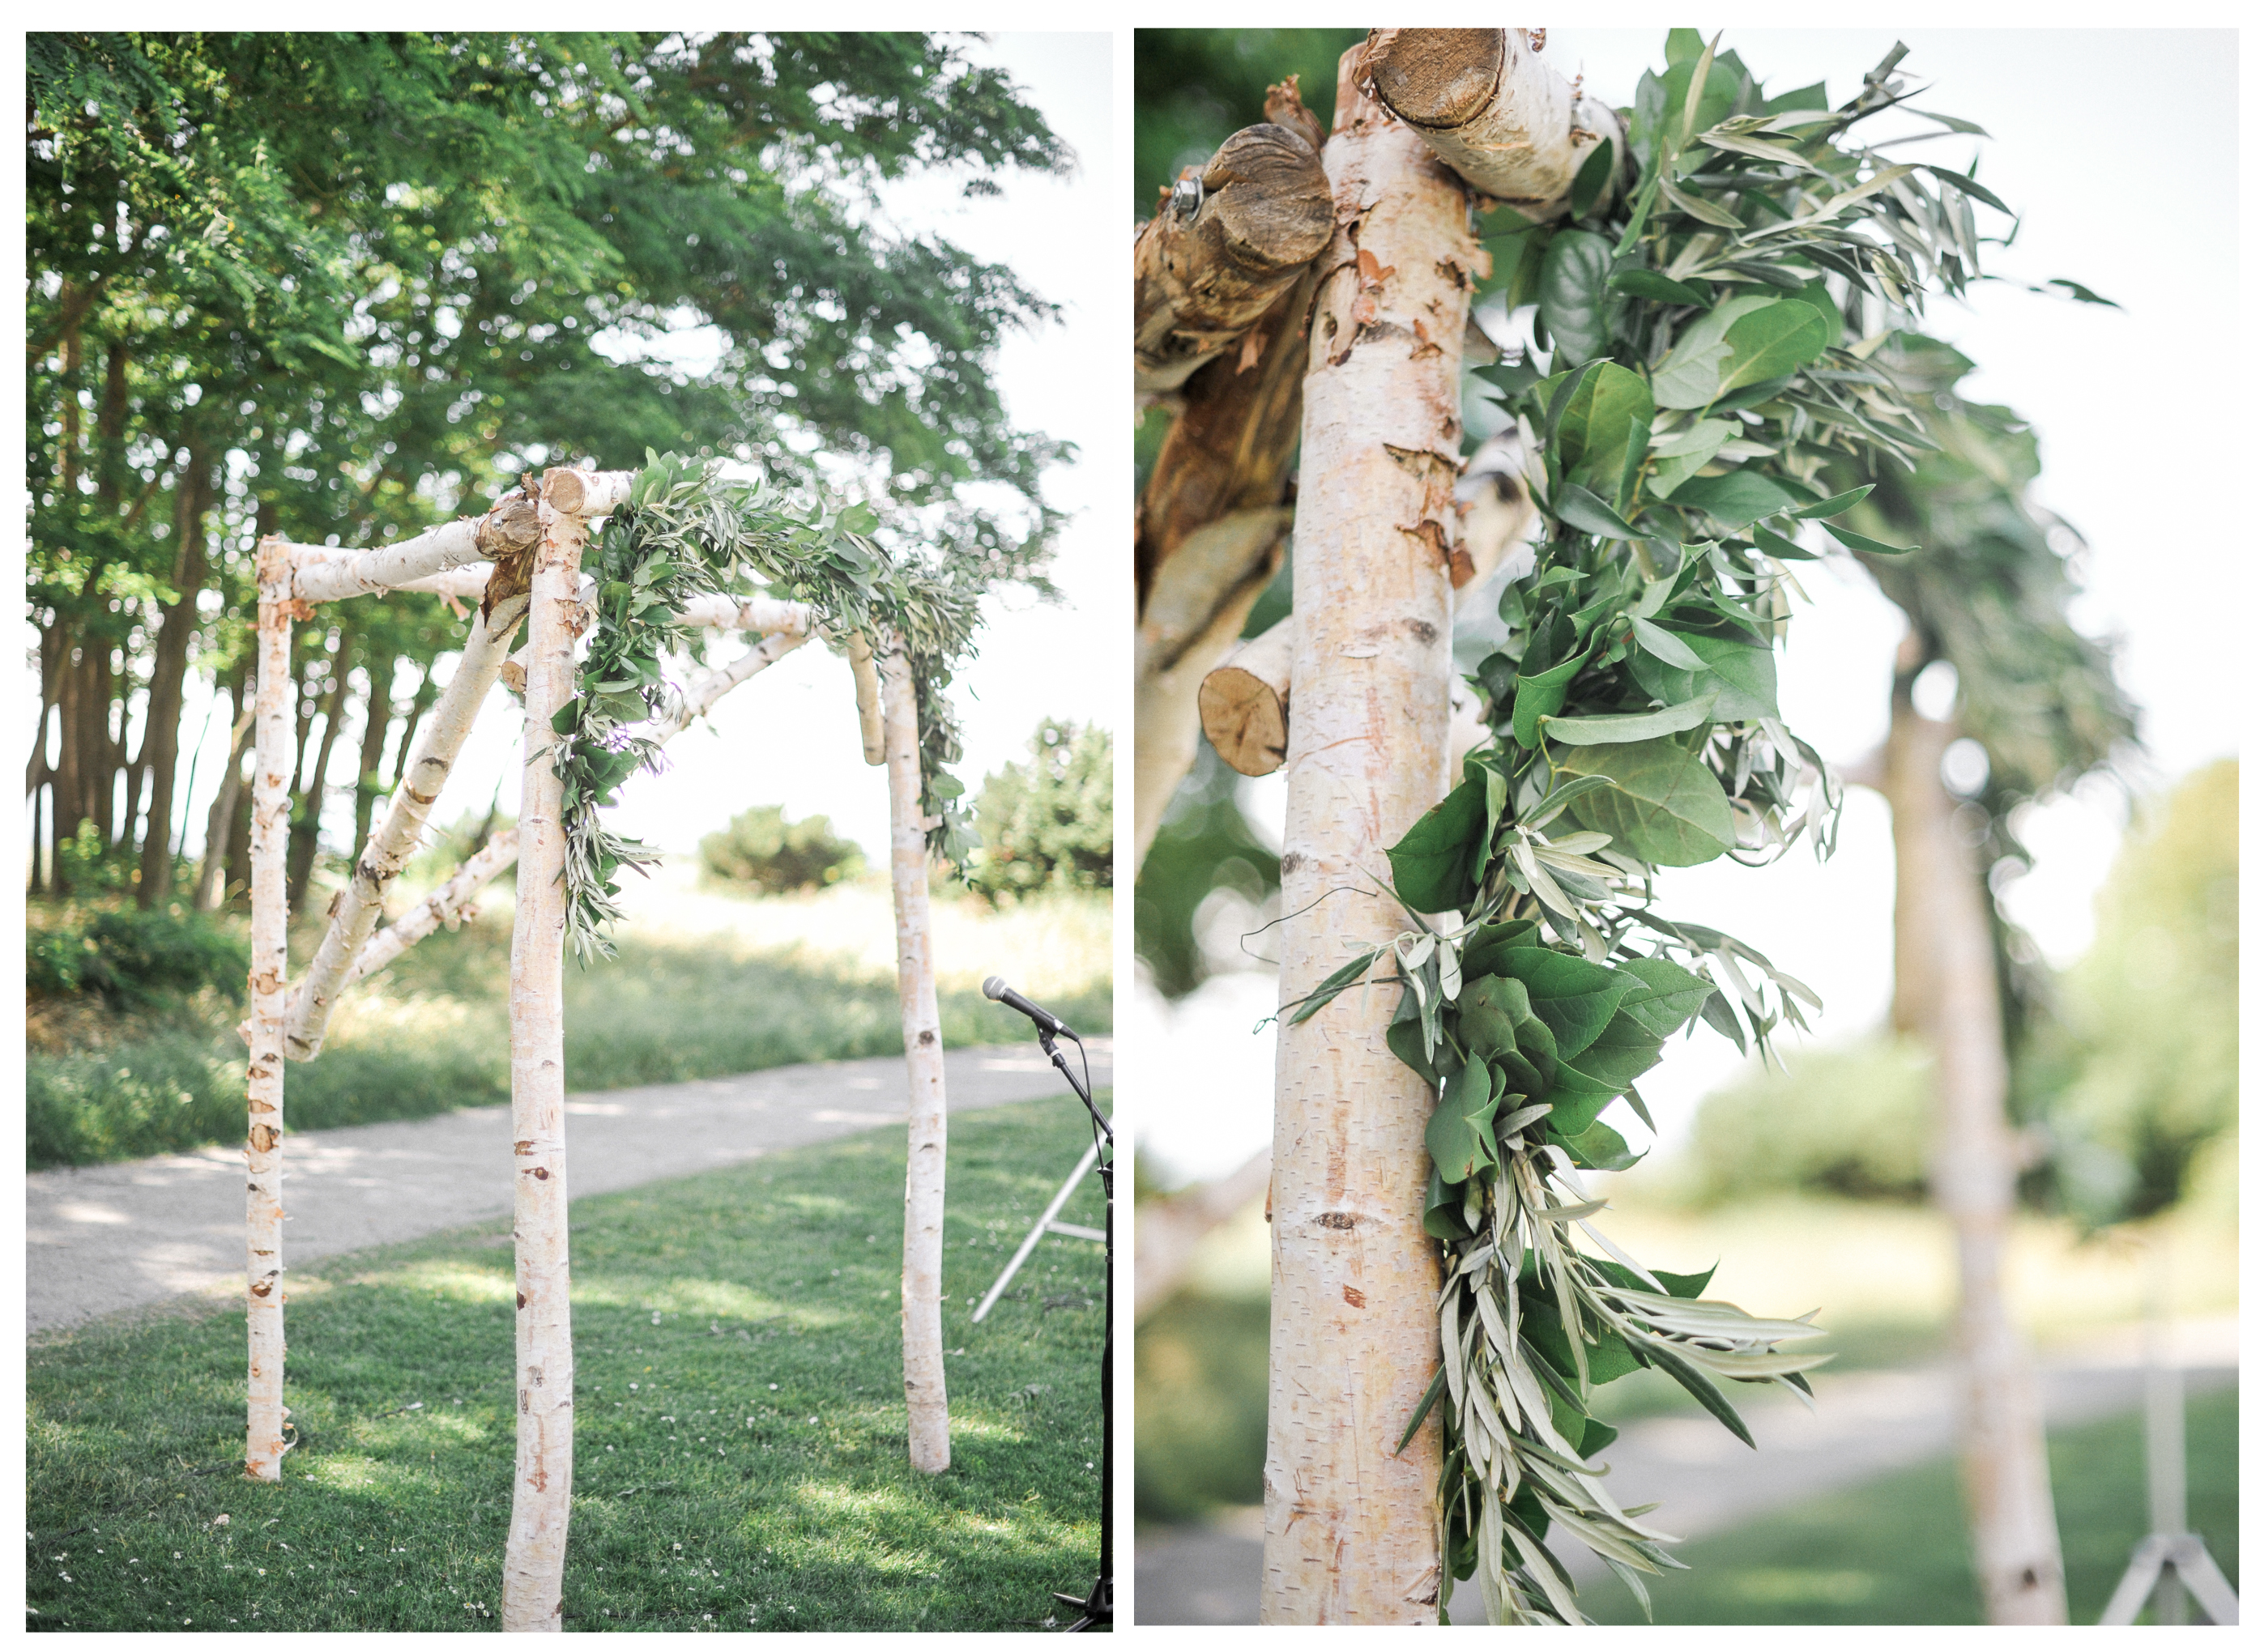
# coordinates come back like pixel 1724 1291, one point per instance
pixel 1947 993
pixel 219 824
pixel 306 824
pixel 270 971
pixel 160 740
pixel 541 1504
pixel 1350 1524
pixel 925 1389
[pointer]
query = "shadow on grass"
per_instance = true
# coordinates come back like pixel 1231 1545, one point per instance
pixel 740 1439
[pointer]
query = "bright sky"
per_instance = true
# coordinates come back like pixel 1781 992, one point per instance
pixel 789 736
pixel 2133 408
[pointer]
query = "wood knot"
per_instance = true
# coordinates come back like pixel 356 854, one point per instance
pixel 1340 1219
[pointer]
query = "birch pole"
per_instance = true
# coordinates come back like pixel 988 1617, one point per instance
pixel 1949 996
pixel 270 974
pixel 925 1389
pixel 533 1563
pixel 1350 1524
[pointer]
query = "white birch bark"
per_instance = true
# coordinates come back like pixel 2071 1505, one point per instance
pixel 1350 1524
pixel 361 901
pixel 329 577
pixel 270 968
pixel 1493 112
pixel 763 616
pixel 868 714
pixel 533 1563
pixel 925 1389
pixel 449 905
pixel 1949 996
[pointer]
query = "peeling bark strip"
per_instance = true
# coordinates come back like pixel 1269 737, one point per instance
pixel 533 1563
pixel 1243 703
pixel 1203 280
pixel 1951 998
pixel 361 902
pixel 1496 115
pixel 924 1387
pixel 1351 1527
pixel 270 968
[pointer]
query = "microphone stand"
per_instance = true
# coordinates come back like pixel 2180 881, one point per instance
pixel 1098 1607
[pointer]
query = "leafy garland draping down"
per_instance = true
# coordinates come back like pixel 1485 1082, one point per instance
pixel 1708 324
pixel 689 530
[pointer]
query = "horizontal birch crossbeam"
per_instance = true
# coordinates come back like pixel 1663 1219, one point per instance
pixel 325 573
pixel 1492 112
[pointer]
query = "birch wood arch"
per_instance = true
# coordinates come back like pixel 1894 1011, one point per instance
pixel 521 562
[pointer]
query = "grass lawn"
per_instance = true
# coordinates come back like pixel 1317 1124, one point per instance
pixel 764 984
pixel 1895 1549
pixel 741 1439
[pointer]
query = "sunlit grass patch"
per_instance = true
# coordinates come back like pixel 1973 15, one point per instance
pixel 739 1393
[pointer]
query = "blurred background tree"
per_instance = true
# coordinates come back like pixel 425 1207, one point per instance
pixel 1048 824
pixel 762 849
pixel 339 287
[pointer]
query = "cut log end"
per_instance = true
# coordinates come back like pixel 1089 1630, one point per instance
pixel 1245 720
pixel 1436 78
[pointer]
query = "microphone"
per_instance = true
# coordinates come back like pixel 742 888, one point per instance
pixel 994 987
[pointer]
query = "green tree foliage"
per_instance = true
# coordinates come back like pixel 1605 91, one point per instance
pixel 1048 824
pixel 761 847
pixel 338 285
pixel 2138 1077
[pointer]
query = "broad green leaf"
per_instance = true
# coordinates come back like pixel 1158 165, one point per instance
pixel 1623 728
pixel 1741 675
pixel 1671 998
pixel 1433 864
pixel 1404 1039
pixel 1573 998
pixel 1688 1286
pixel 1459 1130
pixel 1592 179
pixel 1559 798
pixel 1577 1099
pixel 1573 299
pixel 1603 430
pixel 1647 283
pixel 1497 1020
pixel 1874 547
pixel 1667 808
pixel 1579 507
pixel 1680 456
pixel 1598 1147
pixel 1665 646
pixel 1835 504
pixel 1479 957
pixel 1441 1216
pixel 1541 696
pixel 1772 342
pixel 1689 376
pixel 1625 1049
pixel 1736 498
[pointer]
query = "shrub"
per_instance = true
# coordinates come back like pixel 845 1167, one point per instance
pixel 1048 824
pixel 1853 1121
pixel 761 847
pixel 133 959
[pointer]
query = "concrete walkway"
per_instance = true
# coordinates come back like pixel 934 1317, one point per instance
pixel 1866 1424
pixel 110 1237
